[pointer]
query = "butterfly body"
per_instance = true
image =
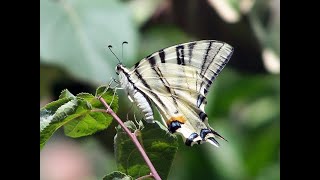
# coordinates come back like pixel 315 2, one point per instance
pixel 134 93
pixel 177 79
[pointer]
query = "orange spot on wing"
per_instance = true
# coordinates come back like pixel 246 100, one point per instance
pixel 180 119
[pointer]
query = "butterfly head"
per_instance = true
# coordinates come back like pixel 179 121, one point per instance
pixel 119 68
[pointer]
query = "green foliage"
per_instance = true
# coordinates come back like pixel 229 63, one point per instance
pixel 158 143
pixel 52 116
pixel 74 34
pixel 66 94
pixel 240 91
pixel 245 110
pixel 117 176
pixel 143 9
pixel 267 33
pixel 78 114
pixel 157 38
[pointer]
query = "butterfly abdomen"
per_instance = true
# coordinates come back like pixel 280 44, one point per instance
pixel 135 95
pixel 144 105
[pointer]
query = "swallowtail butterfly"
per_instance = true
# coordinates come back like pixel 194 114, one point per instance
pixel 177 79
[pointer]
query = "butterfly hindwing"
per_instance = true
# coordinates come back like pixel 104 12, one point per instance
pixel 177 79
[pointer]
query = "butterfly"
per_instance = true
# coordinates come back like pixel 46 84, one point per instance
pixel 176 80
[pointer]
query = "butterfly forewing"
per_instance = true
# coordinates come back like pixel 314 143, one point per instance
pixel 207 56
pixel 177 79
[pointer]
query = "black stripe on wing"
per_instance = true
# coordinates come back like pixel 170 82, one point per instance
pixel 162 56
pixel 143 81
pixel 190 47
pixel 205 59
pixel 165 83
pixel 180 54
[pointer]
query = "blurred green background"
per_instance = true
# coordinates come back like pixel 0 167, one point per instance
pixel 243 104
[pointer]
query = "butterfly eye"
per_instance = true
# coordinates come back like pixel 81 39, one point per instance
pixel 117 70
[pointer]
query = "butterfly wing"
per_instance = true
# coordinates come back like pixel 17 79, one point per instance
pixel 177 79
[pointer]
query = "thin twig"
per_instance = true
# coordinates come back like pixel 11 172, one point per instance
pixel 143 177
pixel 98 110
pixel 153 173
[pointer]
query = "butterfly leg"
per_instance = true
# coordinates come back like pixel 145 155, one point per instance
pixel 115 89
pixel 114 93
pixel 140 123
pixel 109 85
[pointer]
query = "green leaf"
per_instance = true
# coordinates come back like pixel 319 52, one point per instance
pixel 53 115
pixel 91 122
pixel 159 144
pixel 116 175
pixel 76 114
pixel 66 94
pixel 74 34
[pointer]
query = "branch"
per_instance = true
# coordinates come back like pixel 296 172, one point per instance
pixel 144 177
pixel 154 173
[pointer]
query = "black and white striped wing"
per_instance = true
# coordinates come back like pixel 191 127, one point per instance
pixel 177 79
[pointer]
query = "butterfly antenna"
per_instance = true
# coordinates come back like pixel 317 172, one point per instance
pixel 113 53
pixel 124 42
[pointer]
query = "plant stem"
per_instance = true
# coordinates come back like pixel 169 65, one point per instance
pixel 143 177
pixel 133 137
